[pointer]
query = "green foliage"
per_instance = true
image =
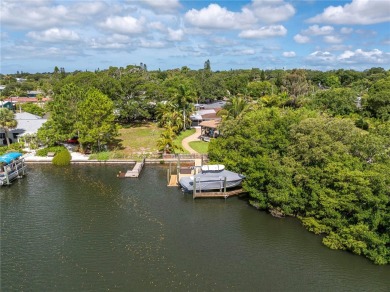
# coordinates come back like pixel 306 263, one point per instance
pixel 95 125
pixel 338 101
pixel 62 158
pixel 7 122
pixel 378 100
pixel 43 152
pixel 33 109
pixel 18 147
pixel 101 156
pixel 324 170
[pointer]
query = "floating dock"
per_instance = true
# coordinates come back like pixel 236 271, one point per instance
pixel 135 172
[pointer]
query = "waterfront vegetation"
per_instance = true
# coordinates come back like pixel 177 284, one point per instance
pixel 313 145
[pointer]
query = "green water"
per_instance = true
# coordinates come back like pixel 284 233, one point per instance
pixel 82 229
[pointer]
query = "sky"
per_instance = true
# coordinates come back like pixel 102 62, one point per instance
pixel 37 35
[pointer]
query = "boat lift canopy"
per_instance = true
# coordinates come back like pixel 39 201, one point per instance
pixel 8 157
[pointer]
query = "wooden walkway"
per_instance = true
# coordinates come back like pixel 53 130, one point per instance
pixel 135 172
pixel 222 194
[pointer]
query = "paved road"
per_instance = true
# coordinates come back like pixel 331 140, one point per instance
pixel 193 137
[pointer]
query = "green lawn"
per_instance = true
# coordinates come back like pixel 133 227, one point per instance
pixel 138 139
pixel 180 137
pixel 200 146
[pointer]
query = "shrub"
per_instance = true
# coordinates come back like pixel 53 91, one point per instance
pixel 56 149
pixel 62 158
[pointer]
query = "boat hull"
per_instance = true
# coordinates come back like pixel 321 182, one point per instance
pixel 211 181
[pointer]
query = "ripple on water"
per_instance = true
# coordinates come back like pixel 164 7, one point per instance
pixel 81 228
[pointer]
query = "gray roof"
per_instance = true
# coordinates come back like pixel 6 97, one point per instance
pixel 28 123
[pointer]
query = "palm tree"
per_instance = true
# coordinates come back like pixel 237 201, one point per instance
pixel 184 99
pixel 166 141
pixel 7 122
pixel 234 108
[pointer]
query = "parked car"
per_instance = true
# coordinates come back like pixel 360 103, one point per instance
pixel 73 140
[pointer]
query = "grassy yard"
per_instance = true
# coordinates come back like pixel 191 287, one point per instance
pixel 179 139
pixel 200 146
pixel 137 140
pixel 140 140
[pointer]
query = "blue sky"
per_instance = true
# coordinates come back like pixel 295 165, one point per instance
pixel 37 35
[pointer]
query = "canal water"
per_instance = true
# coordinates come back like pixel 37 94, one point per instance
pixel 80 228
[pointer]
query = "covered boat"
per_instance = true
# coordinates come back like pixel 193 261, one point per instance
pixel 211 178
pixel 11 167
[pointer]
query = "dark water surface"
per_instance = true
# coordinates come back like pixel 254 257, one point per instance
pixel 82 229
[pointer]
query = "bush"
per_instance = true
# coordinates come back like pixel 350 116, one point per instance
pixel 13 147
pixel 56 149
pixel 103 156
pixel 62 158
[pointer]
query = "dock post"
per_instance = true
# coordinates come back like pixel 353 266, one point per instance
pixel 23 173
pixel 6 176
pixel 224 187
pixel 194 190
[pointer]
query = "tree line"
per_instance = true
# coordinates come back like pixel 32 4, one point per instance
pixel 312 144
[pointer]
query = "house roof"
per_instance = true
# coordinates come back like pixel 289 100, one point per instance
pixel 210 124
pixel 26 99
pixel 28 123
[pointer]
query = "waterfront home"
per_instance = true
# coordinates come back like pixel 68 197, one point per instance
pixel 28 124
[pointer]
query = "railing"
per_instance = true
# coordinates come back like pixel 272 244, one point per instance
pixel 185 156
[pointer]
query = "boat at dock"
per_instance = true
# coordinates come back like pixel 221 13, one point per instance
pixel 12 166
pixel 211 178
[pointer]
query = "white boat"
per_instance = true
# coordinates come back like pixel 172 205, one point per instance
pixel 11 167
pixel 211 178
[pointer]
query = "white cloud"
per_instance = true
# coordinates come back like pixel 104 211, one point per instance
pixel 301 39
pixel 151 44
pixel 290 54
pixel 241 52
pixel 360 56
pixel 41 14
pixel 54 35
pixel 215 16
pixel 160 6
pixel 157 25
pixel 346 30
pixel 259 11
pixel 271 11
pixel 319 56
pixel 124 25
pixel 318 30
pixel 175 35
pixel 356 12
pixel 264 32
pixel 116 41
pixel 332 39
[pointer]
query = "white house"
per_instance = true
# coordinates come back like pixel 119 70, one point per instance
pixel 27 124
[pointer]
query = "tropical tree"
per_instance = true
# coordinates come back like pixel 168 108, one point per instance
pixel 234 108
pixel 166 141
pixel 95 125
pixel 7 122
pixel 184 99
pixel 63 115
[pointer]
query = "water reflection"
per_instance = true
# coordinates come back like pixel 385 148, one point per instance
pixel 81 228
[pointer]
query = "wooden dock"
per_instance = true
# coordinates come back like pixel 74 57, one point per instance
pixel 135 172
pixel 222 194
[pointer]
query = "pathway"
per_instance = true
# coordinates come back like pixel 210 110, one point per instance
pixel 193 137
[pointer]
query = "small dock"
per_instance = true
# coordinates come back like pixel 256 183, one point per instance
pixel 222 194
pixel 182 171
pixel 135 172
